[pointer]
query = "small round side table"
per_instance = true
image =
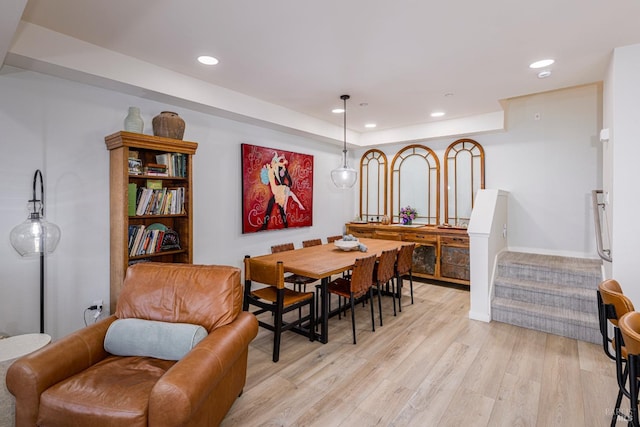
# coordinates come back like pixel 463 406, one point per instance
pixel 10 349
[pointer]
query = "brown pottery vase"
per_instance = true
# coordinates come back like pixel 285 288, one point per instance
pixel 168 124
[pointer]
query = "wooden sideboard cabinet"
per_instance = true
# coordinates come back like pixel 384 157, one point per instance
pixel 440 254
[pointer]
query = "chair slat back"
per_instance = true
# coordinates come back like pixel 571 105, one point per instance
pixel 312 242
pixel 264 272
pixel 386 265
pixel 362 275
pixel 611 293
pixel 405 258
pixel 281 248
pixel 332 239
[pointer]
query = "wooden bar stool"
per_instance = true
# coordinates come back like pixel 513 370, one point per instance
pixel 629 327
pixel 612 305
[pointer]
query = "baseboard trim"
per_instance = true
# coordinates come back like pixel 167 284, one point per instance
pixel 483 317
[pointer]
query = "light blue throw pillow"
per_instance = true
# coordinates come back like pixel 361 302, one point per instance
pixel 150 338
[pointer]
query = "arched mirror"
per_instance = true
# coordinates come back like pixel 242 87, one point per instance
pixel 463 177
pixel 373 186
pixel 415 182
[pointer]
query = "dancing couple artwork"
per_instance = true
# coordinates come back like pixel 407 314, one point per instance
pixel 277 189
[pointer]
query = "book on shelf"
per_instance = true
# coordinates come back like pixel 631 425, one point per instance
pixel 176 163
pixel 145 240
pixel 163 201
pixel 155 169
pixel 154 184
pixel 134 241
pixel 159 167
pixel 132 195
pixel 133 229
pixel 177 201
pixel 143 200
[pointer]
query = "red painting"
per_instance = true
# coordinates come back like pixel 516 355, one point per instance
pixel 277 189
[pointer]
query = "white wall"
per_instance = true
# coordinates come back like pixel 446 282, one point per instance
pixel 623 113
pixel 548 166
pixel 59 127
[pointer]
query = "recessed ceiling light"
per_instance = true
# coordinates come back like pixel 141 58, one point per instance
pixel 437 114
pixel 542 63
pixel 370 125
pixel 207 60
pixel 544 74
pixel 337 110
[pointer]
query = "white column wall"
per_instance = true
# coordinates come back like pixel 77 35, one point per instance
pixel 623 115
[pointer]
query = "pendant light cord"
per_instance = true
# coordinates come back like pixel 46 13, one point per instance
pixel 344 149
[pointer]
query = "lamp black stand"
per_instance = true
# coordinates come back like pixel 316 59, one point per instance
pixel 42 292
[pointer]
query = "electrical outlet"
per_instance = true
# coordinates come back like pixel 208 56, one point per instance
pixel 98 304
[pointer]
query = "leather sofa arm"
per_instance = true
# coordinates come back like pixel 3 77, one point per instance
pixel 32 374
pixel 183 388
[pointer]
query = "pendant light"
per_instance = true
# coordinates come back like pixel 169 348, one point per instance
pixel 344 176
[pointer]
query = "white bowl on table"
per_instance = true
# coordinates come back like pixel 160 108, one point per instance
pixel 346 245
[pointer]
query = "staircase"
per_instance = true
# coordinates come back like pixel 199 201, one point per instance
pixel 548 293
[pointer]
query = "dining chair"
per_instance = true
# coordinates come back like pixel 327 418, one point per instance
pixel 276 299
pixel 629 333
pixel 298 281
pixel 357 286
pixel 404 266
pixel 383 273
pixel 612 305
pixel 332 239
pixel 312 242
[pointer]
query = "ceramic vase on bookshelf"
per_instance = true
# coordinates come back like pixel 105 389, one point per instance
pixel 133 122
pixel 169 125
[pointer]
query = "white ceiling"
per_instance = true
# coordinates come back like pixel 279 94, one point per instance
pixel 399 57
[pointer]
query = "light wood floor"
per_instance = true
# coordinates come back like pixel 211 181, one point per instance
pixel 429 366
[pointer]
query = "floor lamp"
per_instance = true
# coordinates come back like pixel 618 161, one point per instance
pixel 36 236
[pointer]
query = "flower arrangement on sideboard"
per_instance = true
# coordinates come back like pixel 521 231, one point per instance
pixel 407 215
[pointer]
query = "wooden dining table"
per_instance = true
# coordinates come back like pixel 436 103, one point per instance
pixel 323 261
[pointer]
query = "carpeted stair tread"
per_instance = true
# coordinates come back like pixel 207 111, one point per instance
pixel 542 310
pixel 555 320
pixel 546 293
pixel 580 272
pixel 585 265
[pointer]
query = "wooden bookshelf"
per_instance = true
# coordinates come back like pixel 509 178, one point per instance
pixel 120 146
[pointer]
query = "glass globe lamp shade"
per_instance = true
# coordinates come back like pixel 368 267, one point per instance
pixel 35 236
pixel 344 176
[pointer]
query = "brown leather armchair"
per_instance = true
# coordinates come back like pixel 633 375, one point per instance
pixel 75 382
